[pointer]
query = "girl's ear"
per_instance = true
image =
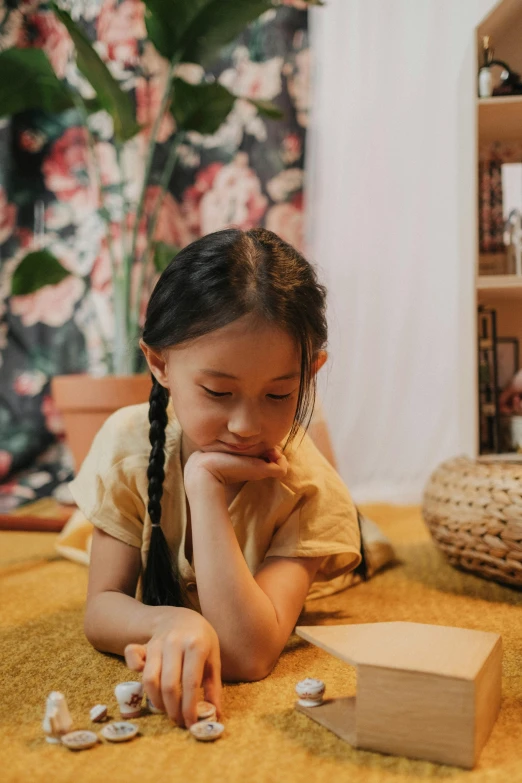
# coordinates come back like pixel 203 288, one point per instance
pixel 156 362
pixel 319 360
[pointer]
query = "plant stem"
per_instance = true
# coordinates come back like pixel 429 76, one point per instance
pixel 164 184
pixel 150 156
pixel 118 359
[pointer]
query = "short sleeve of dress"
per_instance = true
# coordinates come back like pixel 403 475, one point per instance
pixel 324 520
pixel 108 488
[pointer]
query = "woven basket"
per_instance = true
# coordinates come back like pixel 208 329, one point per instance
pixel 474 513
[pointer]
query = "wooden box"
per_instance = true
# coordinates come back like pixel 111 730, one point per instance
pixel 424 691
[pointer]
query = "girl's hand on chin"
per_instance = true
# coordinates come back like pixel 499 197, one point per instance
pixel 234 468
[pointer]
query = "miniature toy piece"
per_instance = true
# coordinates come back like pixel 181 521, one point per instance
pixel 129 696
pixel 119 731
pixel 207 730
pixel 79 740
pixel 310 692
pixel 151 707
pixel 57 720
pixel 424 691
pixel 98 713
pixel 206 711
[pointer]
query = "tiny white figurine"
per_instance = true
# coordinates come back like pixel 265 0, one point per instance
pixel 119 731
pixel 129 696
pixel 206 711
pixel 98 713
pixel 57 719
pixel 310 692
pixel 79 740
pixel 207 730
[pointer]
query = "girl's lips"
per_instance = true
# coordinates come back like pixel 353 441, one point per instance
pixel 239 448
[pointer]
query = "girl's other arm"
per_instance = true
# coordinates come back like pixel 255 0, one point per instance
pixel 253 616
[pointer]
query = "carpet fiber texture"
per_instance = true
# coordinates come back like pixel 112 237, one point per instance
pixel 266 740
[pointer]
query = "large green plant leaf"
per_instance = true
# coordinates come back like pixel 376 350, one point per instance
pixel 216 25
pixel 36 270
pixel 167 22
pixel 109 93
pixel 204 107
pixel 200 107
pixel 27 81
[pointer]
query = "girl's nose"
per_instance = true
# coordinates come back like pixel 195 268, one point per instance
pixel 245 421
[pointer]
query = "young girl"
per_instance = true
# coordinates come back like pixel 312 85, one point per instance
pixel 230 512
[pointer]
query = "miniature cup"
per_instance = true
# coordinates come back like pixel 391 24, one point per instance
pixel 151 707
pixel 129 696
pixel 310 692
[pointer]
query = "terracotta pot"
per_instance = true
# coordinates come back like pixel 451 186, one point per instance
pixel 86 402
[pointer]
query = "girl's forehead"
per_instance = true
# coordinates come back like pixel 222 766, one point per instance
pixel 243 343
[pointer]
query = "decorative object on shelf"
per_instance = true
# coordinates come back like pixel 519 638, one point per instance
pixel 491 220
pixel 507 360
pixel 513 240
pixel 474 513
pixel 516 433
pixel 489 420
pixel 485 77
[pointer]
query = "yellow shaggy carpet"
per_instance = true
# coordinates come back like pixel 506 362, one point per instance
pixel 42 648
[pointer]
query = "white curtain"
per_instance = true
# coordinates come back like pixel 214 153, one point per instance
pixel 391 211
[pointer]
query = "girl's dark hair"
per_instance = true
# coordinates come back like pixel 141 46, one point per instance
pixel 210 283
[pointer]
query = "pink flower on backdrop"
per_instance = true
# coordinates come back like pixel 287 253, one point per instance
pixel 286 220
pixel 249 79
pixel 292 148
pixel 120 27
pixel 68 171
pixel 7 217
pixel 49 34
pixel 53 418
pixel 52 305
pixel 6 460
pixel 149 92
pixel 224 196
pixel 30 383
pixel 171 226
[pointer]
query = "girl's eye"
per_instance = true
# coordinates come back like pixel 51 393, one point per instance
pixel 279 396
pixel 215 393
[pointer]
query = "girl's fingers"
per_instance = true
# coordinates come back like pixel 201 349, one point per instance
pixel 212 681
pixel 135 657
pixel 171 682
pixel 193 666
pixel 151 677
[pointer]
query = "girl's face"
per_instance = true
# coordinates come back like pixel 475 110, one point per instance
pixel 234 389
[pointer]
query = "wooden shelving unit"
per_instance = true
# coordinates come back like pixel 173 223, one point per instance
pixel 499 119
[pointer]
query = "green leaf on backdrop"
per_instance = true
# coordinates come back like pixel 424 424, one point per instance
pixel 109 93
pixel 36 270
pixel 27 81
pixel 267 109
pixel 200 107
pixel 163 255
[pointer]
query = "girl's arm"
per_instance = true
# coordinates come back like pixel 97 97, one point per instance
pixel 176 648
pixel 252 615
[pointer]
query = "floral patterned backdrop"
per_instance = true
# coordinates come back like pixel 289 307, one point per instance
pixel 249 173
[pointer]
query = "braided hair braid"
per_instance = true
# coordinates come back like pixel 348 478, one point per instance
pixel 161 581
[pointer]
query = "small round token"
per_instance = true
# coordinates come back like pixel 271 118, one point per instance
pixel 206 711
pixel 98 713
pixel 79 740
pixel 207 730
pixel 310 692
pixel 119 731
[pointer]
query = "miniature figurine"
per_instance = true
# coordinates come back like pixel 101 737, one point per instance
pixel 57 720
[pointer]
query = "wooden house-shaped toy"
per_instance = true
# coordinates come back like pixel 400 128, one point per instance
pixel 423 691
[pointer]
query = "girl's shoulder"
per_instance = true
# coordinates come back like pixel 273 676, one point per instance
pixel 126 434
pixel 308 469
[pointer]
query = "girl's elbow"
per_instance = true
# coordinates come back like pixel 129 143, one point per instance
pixel 246 668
